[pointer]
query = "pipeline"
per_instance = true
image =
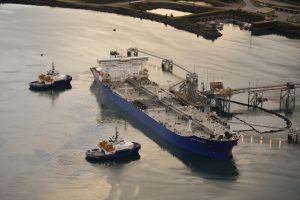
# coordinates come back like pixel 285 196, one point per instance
pixel 159 57
pixel 287 121
pixel 252 127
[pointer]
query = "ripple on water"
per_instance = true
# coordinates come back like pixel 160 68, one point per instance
pixel 11 71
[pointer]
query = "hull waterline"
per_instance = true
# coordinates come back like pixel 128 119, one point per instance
pixel 220 149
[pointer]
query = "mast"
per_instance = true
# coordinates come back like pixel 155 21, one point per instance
pixel 53 68
pixel 117 134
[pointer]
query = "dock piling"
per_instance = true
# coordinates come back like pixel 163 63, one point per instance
pixel 287 97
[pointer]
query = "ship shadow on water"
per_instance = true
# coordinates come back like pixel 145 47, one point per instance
pixel 52 94
pixel 119 161
pixel 205 167
pixel 108 115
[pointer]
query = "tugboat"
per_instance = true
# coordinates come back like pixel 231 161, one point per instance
pixel 51 80
pixel 114 148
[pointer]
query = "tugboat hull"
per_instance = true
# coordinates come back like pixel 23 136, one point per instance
pixel 96 155
pixel 35 85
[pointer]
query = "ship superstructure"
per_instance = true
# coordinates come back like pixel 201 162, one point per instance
pixel 180 114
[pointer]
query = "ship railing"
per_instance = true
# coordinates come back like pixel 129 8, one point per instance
pixel 122 77
pixel 157 109
pixel 122 59
pixel 196 122
pixel 168 104
pixel 118 94
pixel 138 86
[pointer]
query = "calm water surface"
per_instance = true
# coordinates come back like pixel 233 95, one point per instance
pixel 43 135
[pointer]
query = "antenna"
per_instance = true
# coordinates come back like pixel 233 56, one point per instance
pixel 206 78
pixel 53 67
pixel 117 134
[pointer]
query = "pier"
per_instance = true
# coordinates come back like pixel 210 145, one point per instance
pixel 221 97
pixel 256 96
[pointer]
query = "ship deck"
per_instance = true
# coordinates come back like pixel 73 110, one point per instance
pixel 168 110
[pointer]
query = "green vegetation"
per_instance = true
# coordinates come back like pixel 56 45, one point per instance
pixel 255 3
pixel 229 1
pixel 216 3
pixel 252 17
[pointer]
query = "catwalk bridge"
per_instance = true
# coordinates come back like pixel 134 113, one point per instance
pixel 222 96
pixel 266 88
pixel 219 97
pixel 256 96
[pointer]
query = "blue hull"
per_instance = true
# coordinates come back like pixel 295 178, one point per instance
pixel 212 148
pixel 61 84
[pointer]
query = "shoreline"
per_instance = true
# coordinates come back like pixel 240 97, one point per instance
pixel 176 23
pixel 286 29
pixel 186 23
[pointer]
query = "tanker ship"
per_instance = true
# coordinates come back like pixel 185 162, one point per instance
pixel 179 114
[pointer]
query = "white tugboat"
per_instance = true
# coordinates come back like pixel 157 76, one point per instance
pixel 51 80
pixel 113 149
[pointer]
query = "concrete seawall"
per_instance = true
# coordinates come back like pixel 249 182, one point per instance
pixel 275 27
